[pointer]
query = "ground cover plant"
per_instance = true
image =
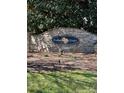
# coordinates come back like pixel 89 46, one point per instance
pixel 62 82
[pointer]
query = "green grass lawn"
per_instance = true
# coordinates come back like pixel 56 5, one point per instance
pixel 62 82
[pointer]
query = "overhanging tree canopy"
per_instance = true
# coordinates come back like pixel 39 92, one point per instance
pixel 46 14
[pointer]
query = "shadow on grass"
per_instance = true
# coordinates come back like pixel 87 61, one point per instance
pixel 87 74
pixel 67 82
pixel 39 91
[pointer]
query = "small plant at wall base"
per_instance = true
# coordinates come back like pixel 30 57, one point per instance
pixel 47 14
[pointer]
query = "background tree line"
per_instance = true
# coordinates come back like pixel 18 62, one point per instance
pixel 47 14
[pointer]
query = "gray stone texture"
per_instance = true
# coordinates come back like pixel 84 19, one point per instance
pixel 43 42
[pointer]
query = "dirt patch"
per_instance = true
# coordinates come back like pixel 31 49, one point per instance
pixel 55 61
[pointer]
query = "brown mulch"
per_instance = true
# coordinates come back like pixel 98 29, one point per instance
pixel 55 61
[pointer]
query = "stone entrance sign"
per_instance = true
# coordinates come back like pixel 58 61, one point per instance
pixel 63 39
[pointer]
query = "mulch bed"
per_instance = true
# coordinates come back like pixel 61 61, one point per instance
pixel 55 62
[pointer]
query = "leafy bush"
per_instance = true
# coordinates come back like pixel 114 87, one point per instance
pixel 46 14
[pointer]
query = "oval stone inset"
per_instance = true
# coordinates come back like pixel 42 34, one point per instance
pixel 65 40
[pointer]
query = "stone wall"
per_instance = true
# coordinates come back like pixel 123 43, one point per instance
pixel 86 42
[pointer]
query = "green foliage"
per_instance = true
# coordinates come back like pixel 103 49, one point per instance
pixel 62 82
pixel 47 14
